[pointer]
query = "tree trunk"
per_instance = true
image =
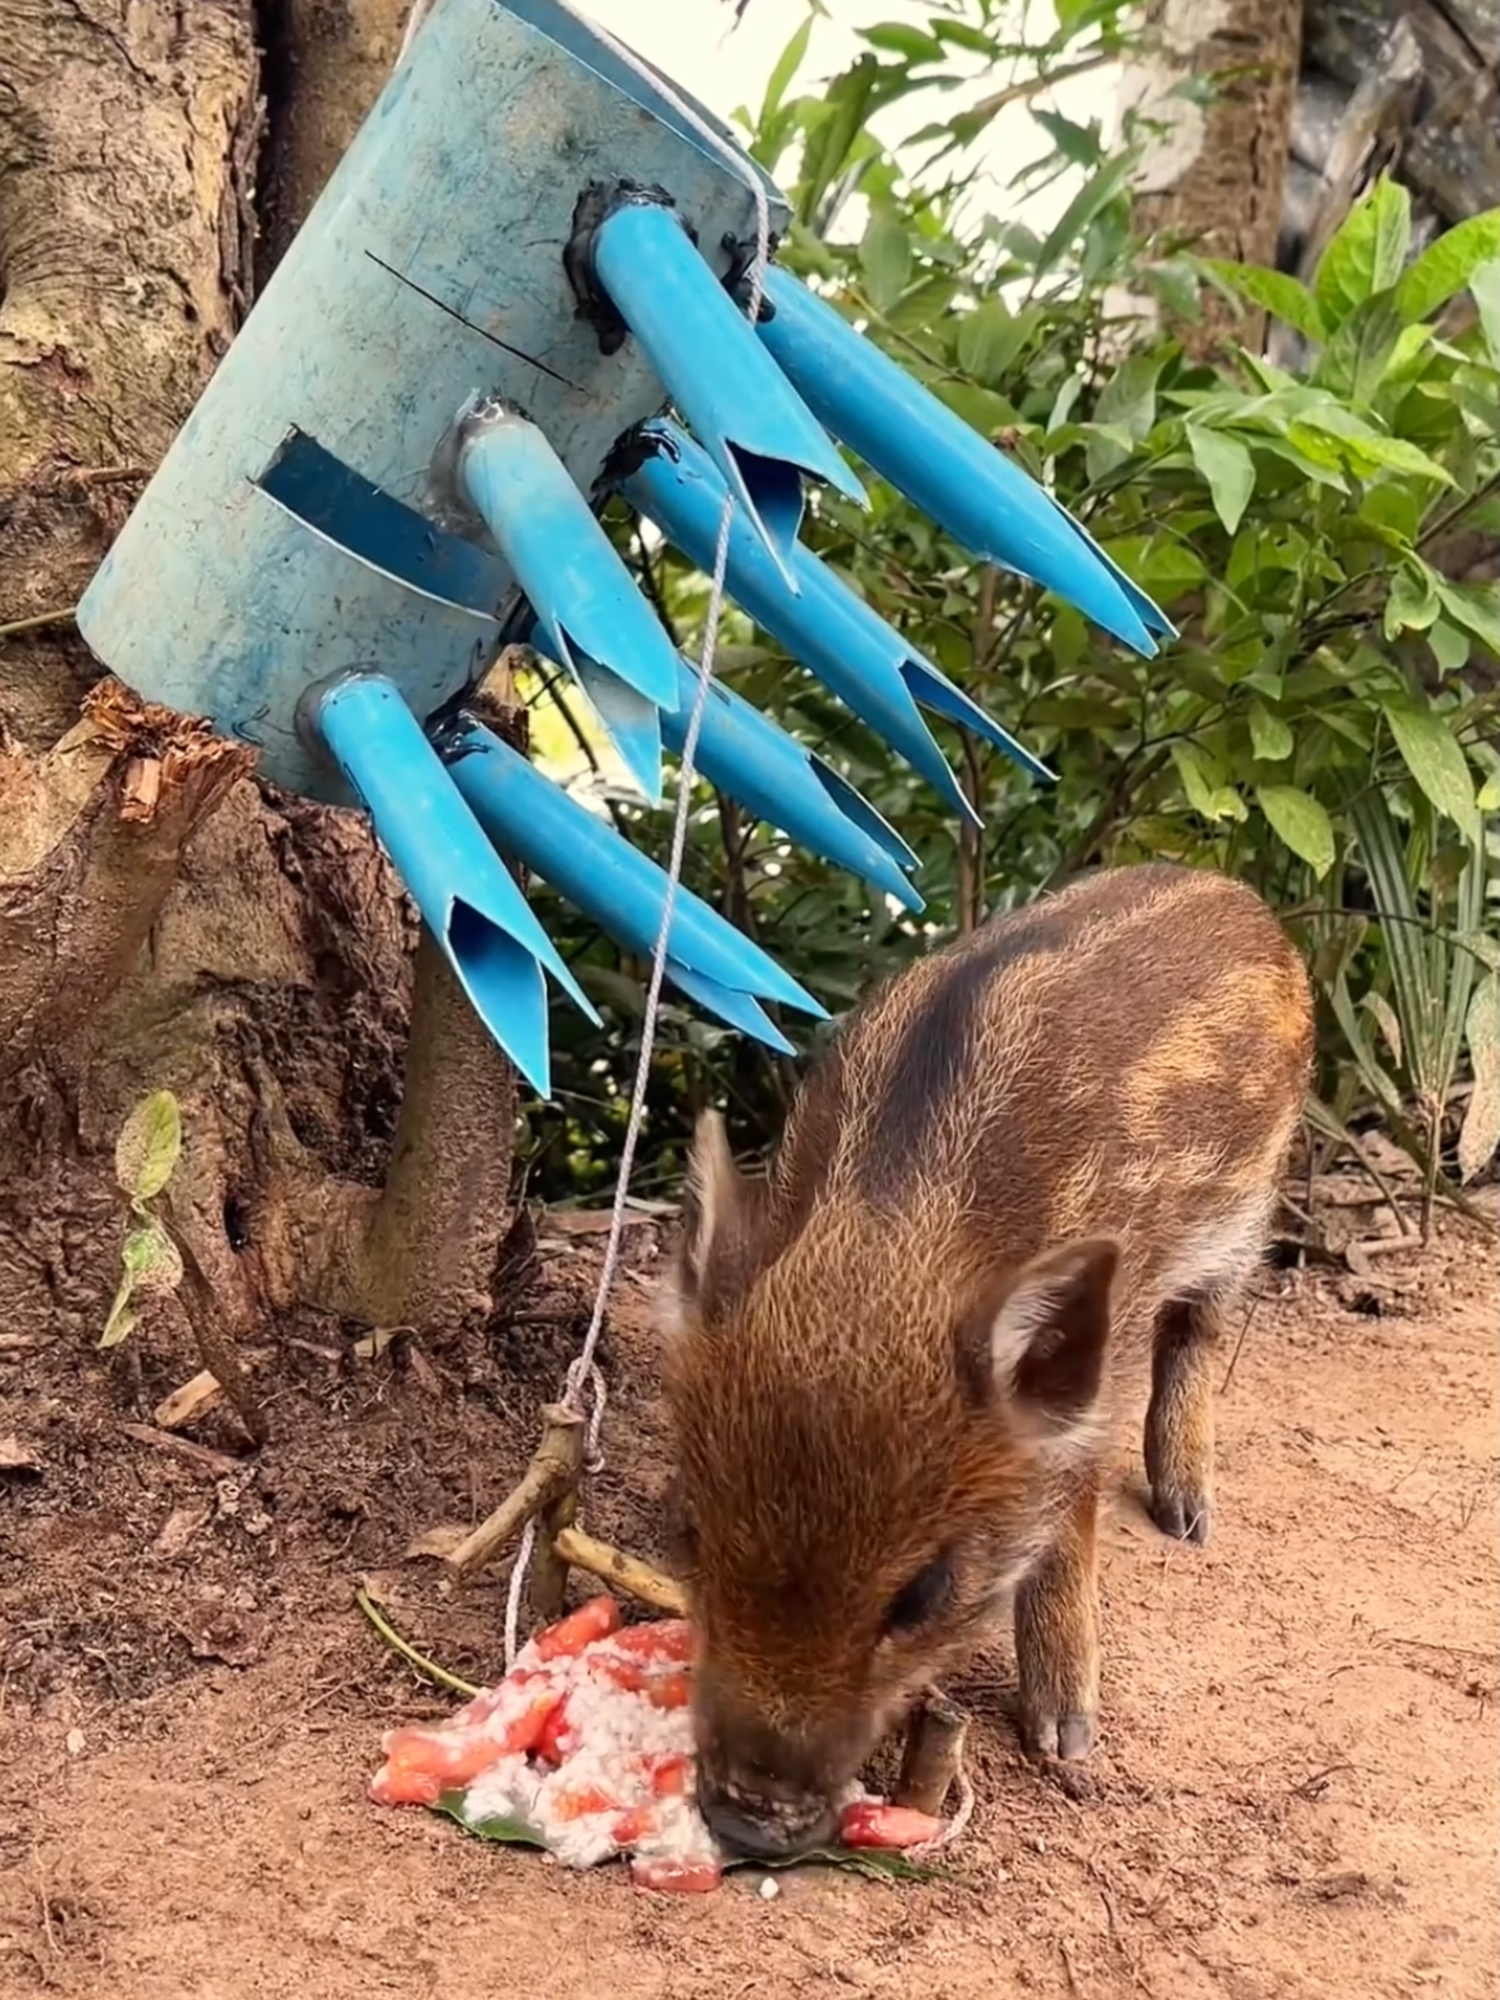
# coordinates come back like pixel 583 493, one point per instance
pixel 1214 171
pixel 166 921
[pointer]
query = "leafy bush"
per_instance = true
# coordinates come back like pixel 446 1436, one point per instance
pixel 1323 725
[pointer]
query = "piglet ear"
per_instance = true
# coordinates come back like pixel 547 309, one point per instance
pixel 1039 1350
pixel 719 1207
pixel 710 1200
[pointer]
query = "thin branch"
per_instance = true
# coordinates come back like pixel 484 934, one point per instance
pixel 63 616
pixel 427 1668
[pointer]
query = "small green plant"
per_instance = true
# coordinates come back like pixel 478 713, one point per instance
pixel 146 1155
pixel 1435 990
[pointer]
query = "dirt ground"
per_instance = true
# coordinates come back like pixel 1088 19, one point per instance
pixel 1297 1793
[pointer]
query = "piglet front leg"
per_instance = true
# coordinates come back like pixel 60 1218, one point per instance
pixel 1057 1638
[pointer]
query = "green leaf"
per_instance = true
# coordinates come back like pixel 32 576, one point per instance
pixel 121 1321
pixel 1367 254
pixel 148 1146
pixel 1271 738
pixel 1387 866
pixel 1474 606
pixel 1413 603
pixel 1450 647
pixel 1077 143
pixel 1327 436
pixel 1203 783
pixel 825 153
pixel 981 409
pixel 989 340
pixel 1275 292
pixel 1096 194
pixel 1394 510
pixel 964 35
pixel 1354 362
pixel 1128 398
pixel 1302 823
pixel 885 256
pixel 152 1258
pixel 1448 265
pixel 490 1826
pixel 1479 1136
pixel 1486 290
pixel 1480 945
pixel 1383 1014
pixel 897 40
pixel 1435 761
pixel 1229 469
pixel 1161 564
pixel 787 65
pixel 873 1862
pixel 1175 283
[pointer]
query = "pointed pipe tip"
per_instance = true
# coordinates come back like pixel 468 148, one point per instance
pixel 632 723
pixel 744 755
pixel 505 988
pixel 941 464
pixel 470 904
pixel 854 656
pixel 589 863
pixel 563 560
pixel 933 690
pixel 927 685
pixel 737 1009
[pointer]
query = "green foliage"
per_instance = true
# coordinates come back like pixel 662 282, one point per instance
pixel 1321 727
pixel 146 1155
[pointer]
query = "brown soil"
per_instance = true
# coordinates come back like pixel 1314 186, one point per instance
pixel 1297 1794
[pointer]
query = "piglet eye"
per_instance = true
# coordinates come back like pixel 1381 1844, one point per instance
pixel 921 1598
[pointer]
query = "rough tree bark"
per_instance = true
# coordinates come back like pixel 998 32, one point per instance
pixel 1213 176
pixel 165 920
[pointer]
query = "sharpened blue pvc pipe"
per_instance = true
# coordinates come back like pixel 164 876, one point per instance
pixel 927 685
pixel 740 1010
pixel 747 757
pixel 622 889
pixel 944 466
pixel 597 623
pixel 790 787
pixel 479 917
pixel 680 490
pixel 743 410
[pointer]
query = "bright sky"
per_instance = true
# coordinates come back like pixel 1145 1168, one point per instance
pixel 697 44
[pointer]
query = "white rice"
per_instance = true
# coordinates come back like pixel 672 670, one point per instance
pixel 610 1729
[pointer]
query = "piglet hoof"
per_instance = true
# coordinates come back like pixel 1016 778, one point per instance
pixel 1183 1516
pixel 1068 1737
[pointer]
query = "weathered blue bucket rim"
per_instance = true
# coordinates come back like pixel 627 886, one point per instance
pixel 577 38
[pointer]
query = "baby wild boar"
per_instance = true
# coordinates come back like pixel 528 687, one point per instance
pixel 897 1361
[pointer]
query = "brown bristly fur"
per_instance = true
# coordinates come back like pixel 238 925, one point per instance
pixel 898 1358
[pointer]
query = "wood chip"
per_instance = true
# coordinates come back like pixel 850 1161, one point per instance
pixel 216 1464
pixel 187 1402
pixel 18 1457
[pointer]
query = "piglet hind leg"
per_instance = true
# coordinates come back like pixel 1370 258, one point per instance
pixel 1057 1638
pixel 1180 1418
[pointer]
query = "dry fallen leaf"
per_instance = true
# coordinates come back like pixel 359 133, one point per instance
pixel 439 1542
